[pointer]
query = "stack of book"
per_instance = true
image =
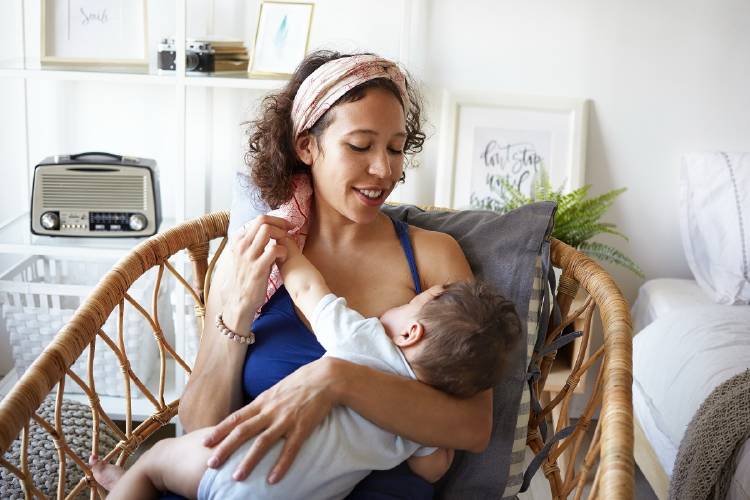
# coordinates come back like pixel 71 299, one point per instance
pixel 229 55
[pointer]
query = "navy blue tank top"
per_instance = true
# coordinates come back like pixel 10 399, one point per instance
pixel 283 343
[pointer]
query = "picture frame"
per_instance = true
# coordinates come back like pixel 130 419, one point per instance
pixel 486 138
pixel 94 33
pixel 282 37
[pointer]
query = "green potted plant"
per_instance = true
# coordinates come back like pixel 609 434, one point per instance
pixel 577 220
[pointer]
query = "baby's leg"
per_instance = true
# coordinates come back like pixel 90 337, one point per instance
pixel 174 465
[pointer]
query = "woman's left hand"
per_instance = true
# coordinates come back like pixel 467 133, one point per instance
pixel 291 409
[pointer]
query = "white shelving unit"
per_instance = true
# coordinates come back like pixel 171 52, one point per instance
pixel 15 235
pixel 388 31
pixel 16 238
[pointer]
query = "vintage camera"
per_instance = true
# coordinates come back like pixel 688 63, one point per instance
pixel 199 55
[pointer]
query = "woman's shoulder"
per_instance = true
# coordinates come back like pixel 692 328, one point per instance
pixel 439 257
pixel 433 241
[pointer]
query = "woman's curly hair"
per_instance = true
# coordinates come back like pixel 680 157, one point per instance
pixel 270 156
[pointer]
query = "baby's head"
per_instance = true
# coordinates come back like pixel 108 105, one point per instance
pixel 456 338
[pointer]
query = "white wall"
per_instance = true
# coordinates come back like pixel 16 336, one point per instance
pixel 664 78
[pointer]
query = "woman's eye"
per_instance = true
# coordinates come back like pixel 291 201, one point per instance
pixel 394 151
pixel 358 149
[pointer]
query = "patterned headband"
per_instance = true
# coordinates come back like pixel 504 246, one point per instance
pixel 335 78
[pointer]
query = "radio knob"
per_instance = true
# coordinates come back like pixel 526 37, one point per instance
pixel 137 222
pixel 50 220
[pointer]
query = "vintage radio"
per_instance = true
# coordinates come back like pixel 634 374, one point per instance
pixel 95 195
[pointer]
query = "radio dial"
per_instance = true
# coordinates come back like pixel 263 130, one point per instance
pixel 50 220
pixel 137 222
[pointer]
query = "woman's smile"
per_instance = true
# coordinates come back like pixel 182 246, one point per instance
pixel 372 197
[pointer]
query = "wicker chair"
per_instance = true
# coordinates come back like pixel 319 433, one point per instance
pixel 611 447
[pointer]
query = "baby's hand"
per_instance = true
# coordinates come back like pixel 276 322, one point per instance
pixel 294 260
pixel 303 281
pixel 292 248
pixel 432 467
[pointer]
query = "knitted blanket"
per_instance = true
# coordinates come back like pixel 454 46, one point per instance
pixel 709 449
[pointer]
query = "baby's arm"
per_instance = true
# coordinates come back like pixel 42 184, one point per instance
pixel 431 467
pixel 302 279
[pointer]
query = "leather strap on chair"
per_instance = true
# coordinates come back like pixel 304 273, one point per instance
pixel 536 462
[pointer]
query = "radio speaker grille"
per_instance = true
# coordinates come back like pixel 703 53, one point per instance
pixel 94 191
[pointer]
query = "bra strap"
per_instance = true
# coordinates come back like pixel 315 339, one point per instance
pixel 402 230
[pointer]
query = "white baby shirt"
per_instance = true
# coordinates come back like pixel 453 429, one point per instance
pixel 345 447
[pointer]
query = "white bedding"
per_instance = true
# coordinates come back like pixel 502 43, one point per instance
pixel 689 346
pixel 661 296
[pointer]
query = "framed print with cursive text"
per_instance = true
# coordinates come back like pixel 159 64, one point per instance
pixel 94 33
pixel 489 140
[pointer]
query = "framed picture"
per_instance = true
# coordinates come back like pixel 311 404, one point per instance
pixel 94 32
pixel 487 141
pixel 281 38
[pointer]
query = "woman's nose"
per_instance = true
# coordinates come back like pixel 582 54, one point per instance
pixel 380 165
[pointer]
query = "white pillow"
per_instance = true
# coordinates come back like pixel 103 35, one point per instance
pixel 715 223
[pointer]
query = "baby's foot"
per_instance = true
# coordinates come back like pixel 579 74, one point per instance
pixel 105 474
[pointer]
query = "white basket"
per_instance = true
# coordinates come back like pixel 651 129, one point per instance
pixel 191 335
pixel 40 294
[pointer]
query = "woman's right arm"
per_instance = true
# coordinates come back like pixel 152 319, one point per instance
pixel 214 389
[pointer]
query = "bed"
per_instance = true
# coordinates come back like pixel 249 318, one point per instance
pixel 685 345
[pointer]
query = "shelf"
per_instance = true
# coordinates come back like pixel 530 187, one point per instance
pixel 238 80
pixel 75 75
pixel 235 80
pixel 16 238
pixel 114 407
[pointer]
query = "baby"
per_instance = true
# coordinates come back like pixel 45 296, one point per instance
pixel 454 338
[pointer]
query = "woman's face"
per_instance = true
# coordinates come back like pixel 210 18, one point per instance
pixel 359 158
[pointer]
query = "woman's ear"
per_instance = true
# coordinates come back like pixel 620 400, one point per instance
pixel 411 335
pixel 305 146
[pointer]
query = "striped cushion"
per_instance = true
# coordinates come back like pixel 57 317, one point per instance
pixel 515 474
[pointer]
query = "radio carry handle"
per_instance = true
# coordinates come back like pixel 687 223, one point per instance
pixel 96 153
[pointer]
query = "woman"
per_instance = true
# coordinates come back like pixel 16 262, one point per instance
pixel 346 122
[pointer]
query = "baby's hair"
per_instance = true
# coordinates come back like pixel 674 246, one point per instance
pixel 469 333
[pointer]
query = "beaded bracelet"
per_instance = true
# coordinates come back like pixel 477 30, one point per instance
pixel 250 339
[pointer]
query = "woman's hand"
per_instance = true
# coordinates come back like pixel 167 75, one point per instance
pixel 291 409
pixel 253 254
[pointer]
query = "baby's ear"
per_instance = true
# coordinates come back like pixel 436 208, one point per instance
pixel 411 335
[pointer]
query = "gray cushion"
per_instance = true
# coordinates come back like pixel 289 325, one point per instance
pixel 504 251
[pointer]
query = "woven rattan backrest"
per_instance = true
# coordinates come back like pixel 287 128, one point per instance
pixel 610 451
pixel 78 338
pixel 611 447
